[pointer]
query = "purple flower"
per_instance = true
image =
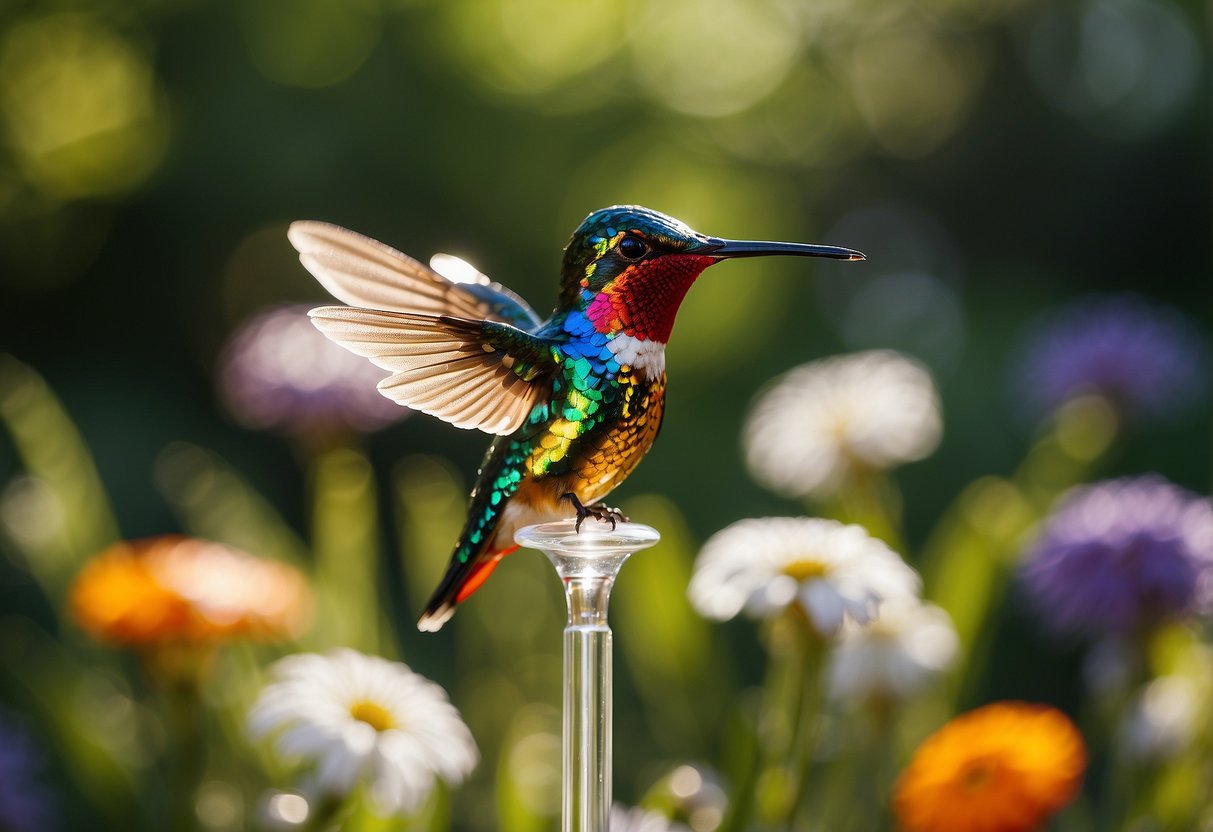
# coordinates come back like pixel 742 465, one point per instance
pixel 25 803
pixel 1149 360
pixel 278 371
pixel 1121 555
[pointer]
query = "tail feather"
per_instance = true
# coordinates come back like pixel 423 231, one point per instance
pixel 461 580
pixel 475 554
pixel 435 616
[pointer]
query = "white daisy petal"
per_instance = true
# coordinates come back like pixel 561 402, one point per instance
pixel 410 780
pixel 862 607
pixel 363 719
pixel 896 657
pixel 339 769
pixel 775 594
pixel 824 606
pixel 835 572
pixel 805 434
pixel 306 739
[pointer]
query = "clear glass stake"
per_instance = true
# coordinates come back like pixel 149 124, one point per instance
pixel 587 562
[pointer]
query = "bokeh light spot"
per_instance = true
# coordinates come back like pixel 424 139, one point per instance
pixel 31 512
pixel 908 295
pixel 219 807
pixel 284 810
pixel 914 312
pixel 533 46
pixel 808 121
pixel 261 271
pixel 913 86
pixel 1124 67
pixel 717 61
pixel 310 43
pixel 79 106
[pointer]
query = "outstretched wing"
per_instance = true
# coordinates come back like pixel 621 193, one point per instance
pixel 430 332
pixel 471 373
pixel 364 272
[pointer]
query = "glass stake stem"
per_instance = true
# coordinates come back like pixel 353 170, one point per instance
pixel 587 563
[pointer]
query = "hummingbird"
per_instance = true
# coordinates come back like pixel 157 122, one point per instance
pixel 573 402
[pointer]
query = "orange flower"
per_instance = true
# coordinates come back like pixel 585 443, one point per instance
pixel 1004 767
pixel 177 589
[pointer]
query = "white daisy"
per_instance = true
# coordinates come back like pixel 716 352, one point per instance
pixel 833 571
pixel 896 656
pixel 817 422
pixel 624 819
pixel 361 718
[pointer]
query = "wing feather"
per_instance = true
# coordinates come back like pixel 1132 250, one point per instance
pixel 439 366
pixel 424 329
pixel 480 405
pixel 366 273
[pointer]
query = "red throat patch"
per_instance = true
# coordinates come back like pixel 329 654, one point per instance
pixel 644 299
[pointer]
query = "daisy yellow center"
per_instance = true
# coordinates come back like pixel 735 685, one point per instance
pixel 805 569
pixel 373 714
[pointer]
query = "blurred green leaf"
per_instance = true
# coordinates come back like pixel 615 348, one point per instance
pixel 430 501
pixel 1077 436
pixel 528 771
pixel 967 561
pixel 101 735
pixel 79 522
pixel 345 533
pixel 666 644
pixel 213 501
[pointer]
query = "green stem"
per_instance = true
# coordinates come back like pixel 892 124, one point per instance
pixel 785 736
pixel 812 655
pixel 185 713
pixel 879 762
pixel 742 803
pixel 768 744
pixel 756 750
pixel 176 671
pixel 870 499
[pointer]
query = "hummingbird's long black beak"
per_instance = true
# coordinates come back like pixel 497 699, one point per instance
pixel 726 249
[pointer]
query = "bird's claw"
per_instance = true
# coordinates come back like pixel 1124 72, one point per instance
pixel 601 513
pixel 607 514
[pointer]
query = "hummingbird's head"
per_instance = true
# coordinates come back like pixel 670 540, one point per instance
pixel 628 267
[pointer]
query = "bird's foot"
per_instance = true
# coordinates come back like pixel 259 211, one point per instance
pixel 601 513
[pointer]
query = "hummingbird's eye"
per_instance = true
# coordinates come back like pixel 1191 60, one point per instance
pixel 632 248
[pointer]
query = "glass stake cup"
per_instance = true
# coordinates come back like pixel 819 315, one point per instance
pixel 587 563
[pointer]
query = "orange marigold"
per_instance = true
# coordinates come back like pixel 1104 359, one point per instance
pixel 179 589
pixel 1004 767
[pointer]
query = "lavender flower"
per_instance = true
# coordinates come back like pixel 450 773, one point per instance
pixel 279 372
pixel 1147 359
pixel 1121 555
pixel 25 804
